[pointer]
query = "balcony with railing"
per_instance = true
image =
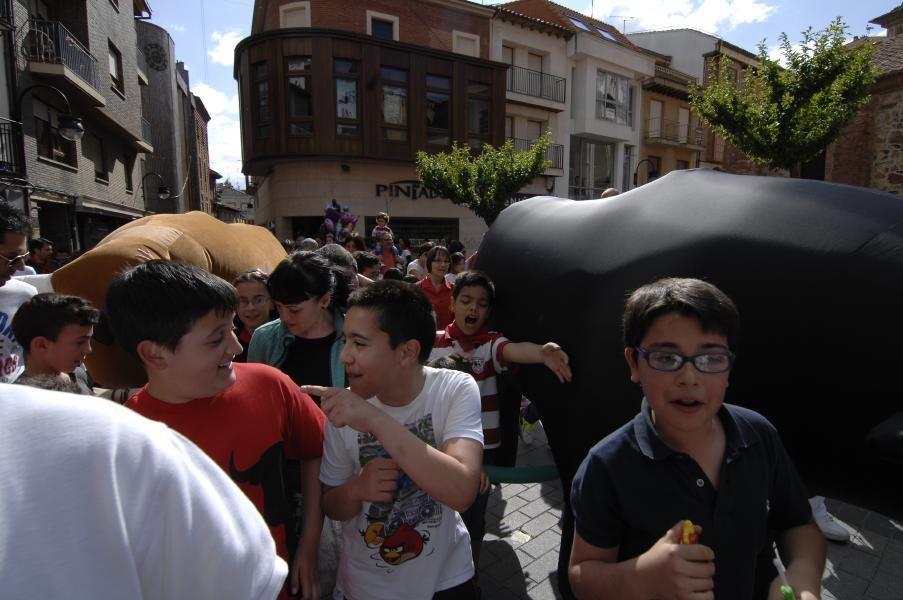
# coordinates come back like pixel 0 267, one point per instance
pixel 555 153
pixel 672 132
pixel 10 148
pixel 7 18
pixel 48 46
pixel 536 84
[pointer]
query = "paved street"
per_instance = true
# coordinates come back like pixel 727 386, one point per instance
pixel 520 551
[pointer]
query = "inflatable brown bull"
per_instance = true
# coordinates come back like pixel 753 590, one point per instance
pixel 195 238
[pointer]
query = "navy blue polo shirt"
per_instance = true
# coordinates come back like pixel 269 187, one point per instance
pixel 632 487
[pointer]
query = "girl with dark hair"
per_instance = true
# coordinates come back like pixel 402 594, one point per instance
pixel 254 307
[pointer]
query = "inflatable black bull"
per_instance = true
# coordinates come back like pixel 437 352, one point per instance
pixel 815 269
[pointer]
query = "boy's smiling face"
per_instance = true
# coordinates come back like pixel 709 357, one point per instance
pixel 201 365
pixel 471 309
pixel 368 356
pixel 683 402
pixel 69 349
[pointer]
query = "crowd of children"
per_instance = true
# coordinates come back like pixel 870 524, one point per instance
pixel 320 391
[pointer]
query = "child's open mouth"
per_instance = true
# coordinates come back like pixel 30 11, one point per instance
pixel 687 404
pixel 470 320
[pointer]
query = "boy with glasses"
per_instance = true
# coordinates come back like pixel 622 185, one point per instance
pixel 14 231
pixel 689 456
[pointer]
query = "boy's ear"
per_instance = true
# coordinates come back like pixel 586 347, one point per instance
pixel 152 354
pixel 630 357
pixel 410 352
pixel 38 345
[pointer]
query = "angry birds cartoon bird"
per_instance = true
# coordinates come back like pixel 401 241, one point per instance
pixel 403 545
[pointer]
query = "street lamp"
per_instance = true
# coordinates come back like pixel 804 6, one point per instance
pixel 650 174
pixel 162 190
pixel 70 126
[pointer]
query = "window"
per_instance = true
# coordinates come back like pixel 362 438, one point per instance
pixel 614 98
pixel 347 111
pixel 477 114
pixel 683 164
pixel 51 145
pixel 260 90
pixel 534 129
pixel 128 167
pixel 509 127
pixel 299 100
pixel 465 43
pixel 578 23
pixel 92 150
pixel 438 110
pixel 592 168
pixel 534 62
pixel 116 79
pixel 607 35
pixel 395 104
pixel 508 55
pixel 382 26
pixel 295 14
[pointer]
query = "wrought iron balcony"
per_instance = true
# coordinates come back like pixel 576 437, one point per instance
pixel 555 153
pixel 672 131
pixel 10 148
pixel 7 20
pixel 536 84
pixel 51 42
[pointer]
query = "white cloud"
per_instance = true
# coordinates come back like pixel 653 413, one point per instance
pixel 223 131
pixel 711 16
pixel 223 52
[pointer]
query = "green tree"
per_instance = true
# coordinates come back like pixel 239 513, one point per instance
pixel 485 183
pixel 781 116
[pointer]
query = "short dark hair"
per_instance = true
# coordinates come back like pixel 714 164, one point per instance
pixel 45 315
pixel 405 313
pixel 161 300
pixel 431 256
pixel 301 276
pixel 365 260
pixel 474 279
pixel 457 258
pixel 425 247
pixel 356 239
pixel 695 298
pixel 408 278
pixel 455 246
pixel 394 273
pixel 37 244
pixel 12 220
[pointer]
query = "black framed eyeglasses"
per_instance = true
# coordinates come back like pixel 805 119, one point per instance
pixel 11 262
pixel 707 362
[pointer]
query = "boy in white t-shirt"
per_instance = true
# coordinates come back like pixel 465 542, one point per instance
pixel 399 466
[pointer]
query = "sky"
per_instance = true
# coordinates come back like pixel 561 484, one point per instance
pixel 205 33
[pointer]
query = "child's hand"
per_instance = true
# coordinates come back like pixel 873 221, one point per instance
pixel 805 587
pixel 378 480
pixel 304 576
pixel 557 361
pixel 678 571
pixel 344 407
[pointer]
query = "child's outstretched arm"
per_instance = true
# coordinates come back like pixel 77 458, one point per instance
pixel 550 354
pixel 803 549
pixel 304 574
pixel 667 570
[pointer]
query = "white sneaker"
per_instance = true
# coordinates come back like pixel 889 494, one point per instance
pixel 830 528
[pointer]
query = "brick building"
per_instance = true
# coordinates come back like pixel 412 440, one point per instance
pixel 869 152
pixel 75 191
pixel 337 96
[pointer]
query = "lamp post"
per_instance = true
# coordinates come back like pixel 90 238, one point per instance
pixel 70 126
pixel 651 174
pixel 162 190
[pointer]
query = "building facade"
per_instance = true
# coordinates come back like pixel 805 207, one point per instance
pixel 695 53
pixel 391 78
pixel 869 152
pixel 83 54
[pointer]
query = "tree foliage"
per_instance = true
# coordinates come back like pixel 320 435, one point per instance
pixel 781 116
pixel 485 183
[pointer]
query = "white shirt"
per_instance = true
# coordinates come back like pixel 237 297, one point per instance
pixel 13 294
pixel 100 503
pixel 414 546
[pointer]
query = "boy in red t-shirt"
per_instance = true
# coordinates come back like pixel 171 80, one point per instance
pixel 249 418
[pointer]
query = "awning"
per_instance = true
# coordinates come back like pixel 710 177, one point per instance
pixel 107 208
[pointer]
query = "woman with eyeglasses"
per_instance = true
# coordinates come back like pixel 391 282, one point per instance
pixel 254 307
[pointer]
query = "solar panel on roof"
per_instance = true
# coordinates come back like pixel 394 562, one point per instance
pixel 579 23
pixel 607 35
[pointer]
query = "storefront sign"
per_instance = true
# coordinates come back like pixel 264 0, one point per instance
pixel 408 188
